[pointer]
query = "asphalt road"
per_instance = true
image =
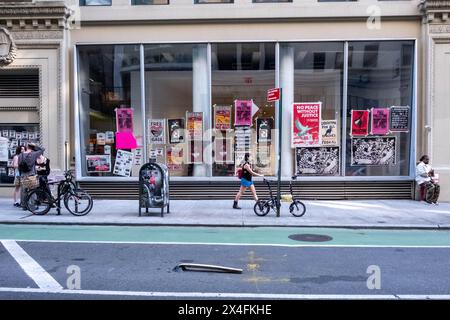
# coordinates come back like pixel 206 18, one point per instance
pixel 31 269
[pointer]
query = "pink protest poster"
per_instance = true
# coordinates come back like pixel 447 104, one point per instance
pixel 306 119
pixel 243 112
pixel 125 140
pixel 124 119
pixel 359 123
pixel 380 121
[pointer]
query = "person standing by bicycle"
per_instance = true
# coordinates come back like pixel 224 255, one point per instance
pixel 43 171
pixel 27 167
pixel 17 182
pixel 246 180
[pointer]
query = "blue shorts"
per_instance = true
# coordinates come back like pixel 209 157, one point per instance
pixel 246 183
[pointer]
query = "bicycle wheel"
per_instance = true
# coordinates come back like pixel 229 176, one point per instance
pixel 78 202
pixel 39 202
pixel 261 208
pixel 297 208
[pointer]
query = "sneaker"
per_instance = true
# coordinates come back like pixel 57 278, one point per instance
pixel 17 204
pixel 436 203
pixel 429 202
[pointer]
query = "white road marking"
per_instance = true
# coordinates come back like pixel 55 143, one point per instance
pixel 237 244
pixel 42 278
pixel 229 295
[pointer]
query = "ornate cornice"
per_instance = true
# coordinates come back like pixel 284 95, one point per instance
pixel 435 11
pixel 34 16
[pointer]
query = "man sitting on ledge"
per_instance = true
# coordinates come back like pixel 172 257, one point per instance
pixel 426 179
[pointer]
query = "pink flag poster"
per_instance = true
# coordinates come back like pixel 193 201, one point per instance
pixel 124 119
pixel 243 112
pixel 125 140
pixel 359 123
pixel 380 121
pixel 306 125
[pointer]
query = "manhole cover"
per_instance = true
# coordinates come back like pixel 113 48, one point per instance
pixel 310 237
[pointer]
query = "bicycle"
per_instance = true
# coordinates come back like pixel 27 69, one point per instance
pixel 262 207
pixel 77 201
pixel 296 208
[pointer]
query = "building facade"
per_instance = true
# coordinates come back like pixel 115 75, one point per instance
pixel 185 83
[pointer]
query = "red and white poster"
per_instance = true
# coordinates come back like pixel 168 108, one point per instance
pixel 124 119
pixel 243 112
pixel 306 118
pixel 380 121
pixel 359 123
pixel 194 125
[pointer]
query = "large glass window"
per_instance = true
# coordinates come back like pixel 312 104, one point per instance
pixel 110 113
pixel 243 72
pixel 379 108
pixel 176 89
pixel 149 2
pixel 95 2
pixel 318 78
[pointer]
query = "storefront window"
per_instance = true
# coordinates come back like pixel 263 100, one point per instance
pixel 241 75
pixel 177 100
pixel 318 79
pixel 110 110
pixel 379 108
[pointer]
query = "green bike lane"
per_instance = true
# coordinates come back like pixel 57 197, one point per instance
pixel 275 236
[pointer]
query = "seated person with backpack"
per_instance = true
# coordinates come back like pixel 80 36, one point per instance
pixel 27 168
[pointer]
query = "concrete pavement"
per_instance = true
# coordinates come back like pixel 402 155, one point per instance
pixel 347 214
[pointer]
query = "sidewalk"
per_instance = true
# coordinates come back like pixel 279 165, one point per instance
pixel 342 213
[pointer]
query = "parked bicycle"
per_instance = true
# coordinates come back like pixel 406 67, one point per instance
pixel 262 207
pixel 77 201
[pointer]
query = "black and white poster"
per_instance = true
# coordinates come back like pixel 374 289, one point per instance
pixel 400 119
pixel 243 139
pixel 263 159
pixel 264 127
pixel 317 161
pixel 374 151
pixel 176 130
pixel 123 164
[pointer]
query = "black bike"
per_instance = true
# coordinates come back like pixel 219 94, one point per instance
pixel 296 208
pixel 262 207
pixel 77 201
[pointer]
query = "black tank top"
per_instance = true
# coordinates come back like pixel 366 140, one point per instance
pixel 245 173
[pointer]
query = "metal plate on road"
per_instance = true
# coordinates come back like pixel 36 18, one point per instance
pixel 310 237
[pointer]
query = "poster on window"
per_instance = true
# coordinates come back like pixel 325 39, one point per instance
pixel 138 155
pixel 243 112
pixel 239 158
pixel 264 130
pixel 157 131
pixel 101 139
pixel 222 117
pixel 123 164
pixel 175 156
pixel 109 137
pixel 157 155
pixel 263 160
pixel 176 130
pixel 306 118
pixel 329 132
pixel 373 151
pixel 98 163
pixel 243 138
pixel 5 133
pixel 399 119
pixel 380 121
pixel 4 145
pixel 107 149
pixel 359 123
pixel 195 151
pixel 124 119
pixel 194 125
pixel 223 150
pixel 317 161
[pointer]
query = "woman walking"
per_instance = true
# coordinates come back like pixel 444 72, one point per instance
pixel 246 181
pixel 17 183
